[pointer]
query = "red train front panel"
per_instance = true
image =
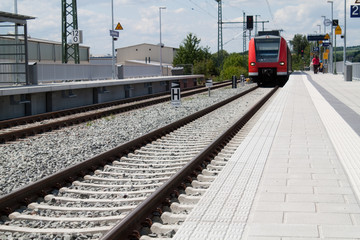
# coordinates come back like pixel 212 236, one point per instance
pixel 268 58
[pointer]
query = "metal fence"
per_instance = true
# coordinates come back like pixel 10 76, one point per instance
pixel 43 73
pixel 46 73
pixel 355 69
pixel 137 71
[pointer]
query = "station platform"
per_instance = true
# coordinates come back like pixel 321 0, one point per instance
pixel 296 175
pixel 21 101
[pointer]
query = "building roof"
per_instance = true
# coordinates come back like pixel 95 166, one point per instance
pixel 142 44
pixel 14 18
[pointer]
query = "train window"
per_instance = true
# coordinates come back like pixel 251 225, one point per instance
pixel 267 50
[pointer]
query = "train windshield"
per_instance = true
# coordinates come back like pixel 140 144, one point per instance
pixel 267 50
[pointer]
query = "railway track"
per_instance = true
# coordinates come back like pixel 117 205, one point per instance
pixel 19 128
pixel 129 175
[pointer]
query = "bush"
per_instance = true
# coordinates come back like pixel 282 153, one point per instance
pixel 230 71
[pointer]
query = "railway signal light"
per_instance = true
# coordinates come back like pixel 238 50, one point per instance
pixel 249 22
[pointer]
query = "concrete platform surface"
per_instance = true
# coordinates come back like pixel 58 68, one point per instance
pixel 295 176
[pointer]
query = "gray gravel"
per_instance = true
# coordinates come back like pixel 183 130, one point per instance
pixel 31 159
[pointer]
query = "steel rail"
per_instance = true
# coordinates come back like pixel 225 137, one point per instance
pixel 130 227
pixel 41 188
pixel 31 131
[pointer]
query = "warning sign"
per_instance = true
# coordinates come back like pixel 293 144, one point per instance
pixel 119 27
pixel 325 56
pixel 338 30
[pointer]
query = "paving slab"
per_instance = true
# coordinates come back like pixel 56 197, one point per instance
pixel 295 176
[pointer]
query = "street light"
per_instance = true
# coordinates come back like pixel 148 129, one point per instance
pixel 332 37
pixel 161 70
pixel 319 28
pixel 344 58
pixel 324 23
pixel 113 43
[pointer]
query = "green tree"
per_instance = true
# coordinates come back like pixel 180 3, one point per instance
pixel 299 43
pixel 190 51
pixel 206 67
pixel 234 64
pixel 301 50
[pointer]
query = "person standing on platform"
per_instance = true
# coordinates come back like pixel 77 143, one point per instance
pixel 316 63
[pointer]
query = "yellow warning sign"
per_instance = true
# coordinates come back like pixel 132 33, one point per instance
pixel 119 27
pixel 327 50
pixel 325 56
pixel 327 36
pixel 338 30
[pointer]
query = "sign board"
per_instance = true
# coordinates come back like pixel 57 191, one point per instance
pixel 355 11
pixel 316 37
pixel 327 22
pixel 315 49
pixel 209 83
pixel 325 56
pixel 326 44
pixel 327 36
pixel 76 36
pixel 335 22
pixel 119 27
pixel 338 30
pixel 175 94
pixel 114 33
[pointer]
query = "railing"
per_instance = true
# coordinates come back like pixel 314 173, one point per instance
pixel 355 69
pixel 43 73
pixel 137 71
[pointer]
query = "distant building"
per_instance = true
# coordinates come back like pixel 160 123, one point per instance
pixel 44 51
pixel 146 54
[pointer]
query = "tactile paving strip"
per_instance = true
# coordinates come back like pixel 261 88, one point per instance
pixel 223 210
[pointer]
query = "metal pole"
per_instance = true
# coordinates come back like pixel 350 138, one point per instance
pixel 332 39
pixel 344 58
pixel 335 58
pixel 161 72
pixel 324 24
pixel 16 42
pixel 256 29
pixel 113 42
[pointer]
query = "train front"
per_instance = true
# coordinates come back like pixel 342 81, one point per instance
pixel 267 59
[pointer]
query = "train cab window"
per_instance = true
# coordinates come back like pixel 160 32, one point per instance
pixel 267 50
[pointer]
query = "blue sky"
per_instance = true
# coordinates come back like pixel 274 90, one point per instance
pixel 140 20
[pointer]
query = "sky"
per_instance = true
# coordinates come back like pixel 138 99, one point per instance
pixel 140 20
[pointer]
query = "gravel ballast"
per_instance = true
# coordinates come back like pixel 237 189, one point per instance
pixel 29 160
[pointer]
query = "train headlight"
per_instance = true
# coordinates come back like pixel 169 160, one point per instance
pixel 282 63
pixel 252 64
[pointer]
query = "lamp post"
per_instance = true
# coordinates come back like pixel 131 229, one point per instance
pixel 161 70
pixel 256 30
pixel 113 43
pixel 319 42
pixel 332 38
pixel 344 58
pixel 324 24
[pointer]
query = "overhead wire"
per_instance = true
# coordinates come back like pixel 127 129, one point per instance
pixel 204 10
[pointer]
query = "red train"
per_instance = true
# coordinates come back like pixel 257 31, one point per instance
pixel 269 59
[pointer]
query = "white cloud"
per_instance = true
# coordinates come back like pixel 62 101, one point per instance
pixel 179 10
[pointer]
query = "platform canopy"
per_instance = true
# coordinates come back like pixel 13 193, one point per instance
pixel 14 18
pixel 13 51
